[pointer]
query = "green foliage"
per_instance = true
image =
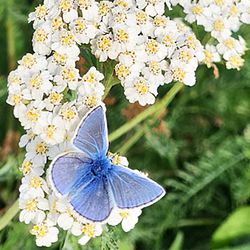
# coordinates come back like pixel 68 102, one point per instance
pixel 200 155
pixel 237 225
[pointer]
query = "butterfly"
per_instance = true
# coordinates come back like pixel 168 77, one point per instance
pixel 92 184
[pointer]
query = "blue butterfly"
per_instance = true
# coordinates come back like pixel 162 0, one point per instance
pixel 89 180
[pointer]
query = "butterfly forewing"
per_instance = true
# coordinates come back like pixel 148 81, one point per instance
pixel 131 189
pixel 91 136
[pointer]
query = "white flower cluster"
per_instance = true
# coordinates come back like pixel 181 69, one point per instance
pixel 50 96
pixel 221 19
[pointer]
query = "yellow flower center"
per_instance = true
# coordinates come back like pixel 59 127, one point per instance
pixel 168 41
pixel 103 9
pixel 59 58
pixel 68 114
pixel 68 74
pixel 31 205
pixel 33 115
pixel 121 3
pixel 40 35
pixel 236 61
pixel 124 214
pixel 141 17
pixel 57 23
pixel 104 43
pixel 40 11
pixel 65 5
pixel 219 2
pixel 154 2
pixel 229 43
pixel 26 167
pixel 152 47
pixel 67 38
pixel 79 26
pixel 122 71
pixel 122 36
pixel 141 87
pixel 50 131
pixel 116 159
pixel 219 25
pixel 89 230
pixel 90 101
pixel 39 230
pixel 178 74
pixel 35 81
pixel 28 60
pixel 234 10
pixel 190 42
pixel 55 98
pixel 154 67
pixel 83 4
pixel 120 17
pixel 41 148
pixel 36 182
pixel 196 9
pixel 185 56
pixel 90 78
pixel 16 99
pixel 159 21
pixel 208 57
pixel 15 80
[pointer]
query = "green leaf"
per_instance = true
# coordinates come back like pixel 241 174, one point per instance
pixel 237 225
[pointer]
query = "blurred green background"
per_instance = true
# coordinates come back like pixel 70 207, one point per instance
pixel 198 149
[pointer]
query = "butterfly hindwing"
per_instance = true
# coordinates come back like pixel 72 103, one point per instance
pixel 131 189
pixel 91 136
pixel 93 201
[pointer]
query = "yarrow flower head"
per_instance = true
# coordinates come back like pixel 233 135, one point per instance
pixel 131 40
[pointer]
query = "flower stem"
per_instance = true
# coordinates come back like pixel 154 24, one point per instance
pixel 9 215
pixel 148 112
pixel 131 141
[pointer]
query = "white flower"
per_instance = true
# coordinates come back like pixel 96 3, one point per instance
pixel 86 231
pixel 33 208
pixel 67 116
pixel 233 60
pixel 65 220
pixel 42 40
pixel 68 76
pixel 51 132
pixel 91 81
pixel 36 151
pixel 244 7
pixel 32 63
pixel 140 90
pixel 29 167
pixel 64 43
pixel 83 30
pixel 211 55
pixel 101 47
pixel 68 9
pixel 127 217
pixel 45 233
pixel 152 7
pixel 33 185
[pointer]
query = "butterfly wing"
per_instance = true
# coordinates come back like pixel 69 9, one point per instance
pixel 131 189
pixel 71 176
pixel 68 170
pixel 91 136
pixel 93 201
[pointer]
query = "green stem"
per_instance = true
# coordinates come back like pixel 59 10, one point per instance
pixel 9 215
pixel 196 222
pixel 148 112
pixel 131 141
pixel 11 47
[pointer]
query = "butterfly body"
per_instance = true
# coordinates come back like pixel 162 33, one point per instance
pixel 90 181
